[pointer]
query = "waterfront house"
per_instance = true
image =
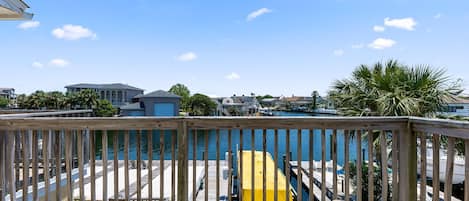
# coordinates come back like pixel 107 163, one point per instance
pixel 269 102
pixel 118 94
pixel 14 10
pixel 237 105
pixel 157 103
pixel 458 106
pixel 9 94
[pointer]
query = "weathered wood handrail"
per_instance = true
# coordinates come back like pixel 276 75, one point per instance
pixel 402 132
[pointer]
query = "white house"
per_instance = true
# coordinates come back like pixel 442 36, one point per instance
pixel 457 107
pixel 14 10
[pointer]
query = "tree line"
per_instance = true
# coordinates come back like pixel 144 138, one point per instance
pixel 56 100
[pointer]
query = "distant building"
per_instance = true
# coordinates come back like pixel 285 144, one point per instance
pixel 157 103
pixel 9 94
pixel 456 107
pixel 239 105
pixel 297 103
pixel 118 94
pixel 14 9
pixel 270 102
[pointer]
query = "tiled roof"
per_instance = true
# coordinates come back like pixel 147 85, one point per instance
pixel 158 94
pixel 104 86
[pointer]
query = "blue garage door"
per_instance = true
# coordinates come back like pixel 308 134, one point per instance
pixel 164 109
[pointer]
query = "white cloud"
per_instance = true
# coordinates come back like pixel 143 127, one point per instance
pixel 58 63
pixel 29 25
pixel 73 32
pixel 232 76
pixel 437 16
pixel 257 13
pixel 358 46
pixel 382 43
pixel 37 64
pixel 377 28
pixel 339 52
pixel 403 23
pixel 188 56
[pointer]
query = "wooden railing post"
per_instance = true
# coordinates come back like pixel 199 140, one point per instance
pixel 407 164
pixel 182 147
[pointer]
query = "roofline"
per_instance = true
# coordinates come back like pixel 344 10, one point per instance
pixel 73 86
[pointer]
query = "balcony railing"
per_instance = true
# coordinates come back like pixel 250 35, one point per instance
pixel 200 158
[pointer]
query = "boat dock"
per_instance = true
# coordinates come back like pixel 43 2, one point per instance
pixel 340 179
pixel 317 180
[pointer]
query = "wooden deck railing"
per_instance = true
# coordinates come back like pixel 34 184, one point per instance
pixel 70 158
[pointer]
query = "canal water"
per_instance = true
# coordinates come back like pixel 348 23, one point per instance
pixel 247 144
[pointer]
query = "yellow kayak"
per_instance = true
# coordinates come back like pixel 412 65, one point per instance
pixel 270 168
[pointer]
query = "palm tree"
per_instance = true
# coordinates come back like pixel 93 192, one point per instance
pixel 315 95
pixel 87 98
pixel 393 89
pixel 183 91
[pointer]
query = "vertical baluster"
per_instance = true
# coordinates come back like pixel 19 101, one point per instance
pixel 115 144
pixel 359 165
pixel 104 164
pixel 466 170
pixel 241 171
pixel 370 166
pixel 323 164
pixel 449 169
pixel 347 164
pixel 275 164
pixel 287 165
pixel 34 162
pixel 436 167
pixel 311 164
pixel 10 163
pixel 173 166
pixel 183 169
pixel 264 166
pixel 58 165
pixel 194 164
pixel 253 163
pixel 126 165
pixel 68 163
pixel 395 165
pixel 230 169
pixel 217 165
pixel 17 158
pixel 45 162
pixel 150 164
pixel 299 181
pixel 2 164
pixel 423 166
pixel 25 146
pixel 93 164
pixel 161 164
pixel 81 169
pixel 206 164
pixel 384 165
pixel 334 163
pixel 139 165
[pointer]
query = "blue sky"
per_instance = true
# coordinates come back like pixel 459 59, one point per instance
pixel 225 47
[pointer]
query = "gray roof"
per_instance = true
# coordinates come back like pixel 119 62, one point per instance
pixel 158 94
pixel 104 86
pixel 131 106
